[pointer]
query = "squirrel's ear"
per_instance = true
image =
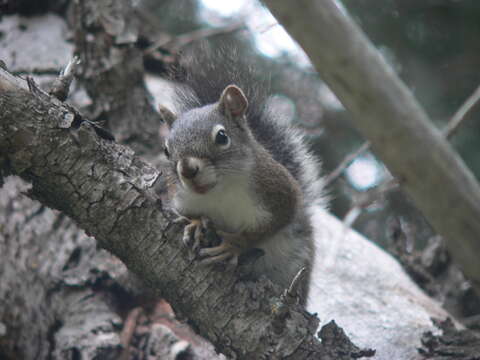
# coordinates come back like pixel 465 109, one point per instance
pixel 166 115
pixel 233 101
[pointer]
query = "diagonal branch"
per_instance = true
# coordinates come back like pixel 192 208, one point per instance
pixel 388 115
pixel 460 114
pixel 335 174
pixel 107 191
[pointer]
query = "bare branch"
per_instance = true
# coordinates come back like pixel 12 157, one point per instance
pixel 365 199
pixel 61 85
pixel 178 42
pixel 459 116
pixel 345 163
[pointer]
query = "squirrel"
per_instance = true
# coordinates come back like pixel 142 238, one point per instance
pixel 233 163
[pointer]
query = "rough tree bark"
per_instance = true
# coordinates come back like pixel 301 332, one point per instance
pixel 52 278
pixel 47 305
pixel 390 118
pixel 112 72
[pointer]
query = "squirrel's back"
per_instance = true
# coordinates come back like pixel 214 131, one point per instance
pixel 204 74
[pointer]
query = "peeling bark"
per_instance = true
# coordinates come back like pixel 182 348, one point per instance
pixel 452 344
pixel 105 34
pixel 49 307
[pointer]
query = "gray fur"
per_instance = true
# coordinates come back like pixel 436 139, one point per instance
pixel 264 183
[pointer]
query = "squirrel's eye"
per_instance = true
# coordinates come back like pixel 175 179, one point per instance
pixel 221 138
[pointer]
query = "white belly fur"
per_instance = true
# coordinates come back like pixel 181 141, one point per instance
pixel 230 206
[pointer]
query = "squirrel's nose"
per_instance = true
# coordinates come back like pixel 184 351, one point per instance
pixel 188 168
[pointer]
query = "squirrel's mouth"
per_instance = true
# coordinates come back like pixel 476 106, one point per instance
pixel 197 187
pixel 201 189
pixel 196 175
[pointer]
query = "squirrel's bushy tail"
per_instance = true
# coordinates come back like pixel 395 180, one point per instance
pixel 205 73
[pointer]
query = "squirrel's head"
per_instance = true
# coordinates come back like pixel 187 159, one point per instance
pixel 209 143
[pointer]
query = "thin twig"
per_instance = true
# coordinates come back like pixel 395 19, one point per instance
pixel 345 163
pixel 267 27
pixel 177 42
pixel 281 309
pixel 459 116
pixel 61 85
pixel 363 200
pixel 291 294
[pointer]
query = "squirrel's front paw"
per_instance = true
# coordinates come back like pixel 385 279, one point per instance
pixel 194 233
pixel 227 250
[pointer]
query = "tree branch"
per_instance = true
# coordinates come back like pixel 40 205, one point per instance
pixel 112 72
pixel 390 118
pixel 460 114
pixel 107 191
pixel 335 174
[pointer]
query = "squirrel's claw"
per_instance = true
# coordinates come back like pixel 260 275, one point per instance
pixel 181 219
pixel 225 251
pixel 193 236
pixel 193 233
pixel 232 259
